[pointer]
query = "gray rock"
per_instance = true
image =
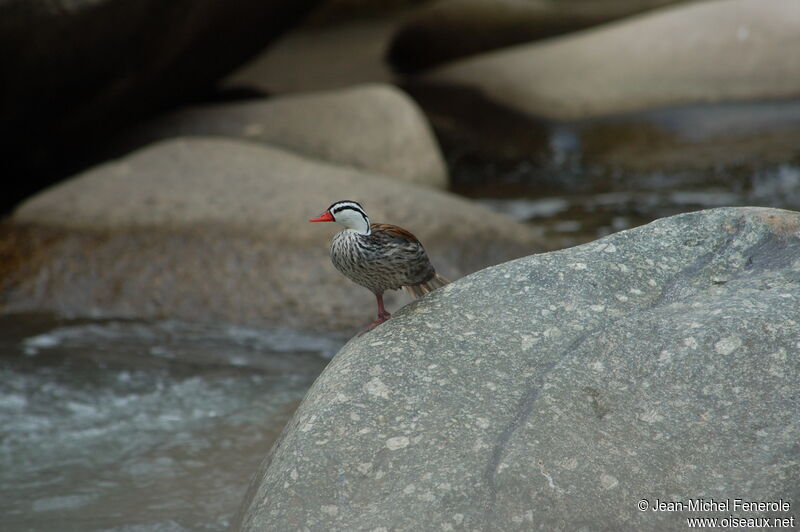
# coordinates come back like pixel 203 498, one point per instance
pixel 215 229
pixel 556 391
pixel 451 29
pixel 713 51
pixel 334 54
pixel 372 127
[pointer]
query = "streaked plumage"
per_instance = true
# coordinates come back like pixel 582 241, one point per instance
pixel 379 257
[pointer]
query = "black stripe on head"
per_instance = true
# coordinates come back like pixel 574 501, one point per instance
pixel 346 204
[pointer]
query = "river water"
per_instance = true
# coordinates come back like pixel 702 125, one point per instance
pixel 579 181
pixel 124 425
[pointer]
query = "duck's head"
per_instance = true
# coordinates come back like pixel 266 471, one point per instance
pixel 348 213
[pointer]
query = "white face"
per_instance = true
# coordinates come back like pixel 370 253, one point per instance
pixel 350 215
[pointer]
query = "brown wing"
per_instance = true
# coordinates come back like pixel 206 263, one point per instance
pixel 394 232
pixel 403 254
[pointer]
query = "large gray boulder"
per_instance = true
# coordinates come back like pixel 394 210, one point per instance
pixel 557 391
pixel 374 127
pixel 712 51
pixel 215 229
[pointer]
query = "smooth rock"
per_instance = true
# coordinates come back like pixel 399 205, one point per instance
pixel 713 51
pixel 451 29
pixel 333 54
pixel 557 391
pixel 215 229
pixel 374 127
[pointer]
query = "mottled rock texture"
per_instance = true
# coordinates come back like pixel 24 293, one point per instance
pixel 374 127
pixel 217 229
pixel 728 50
pixel 556 391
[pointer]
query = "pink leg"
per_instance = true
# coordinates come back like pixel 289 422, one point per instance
pixel 383 315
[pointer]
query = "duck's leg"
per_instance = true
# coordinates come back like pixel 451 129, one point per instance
pixel 383 315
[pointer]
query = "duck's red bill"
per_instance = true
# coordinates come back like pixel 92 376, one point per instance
pixel 324 217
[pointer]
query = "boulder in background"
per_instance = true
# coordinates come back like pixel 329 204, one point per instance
pixel 207 229
pixel 452 29
pixel 376 128
pixel 728 50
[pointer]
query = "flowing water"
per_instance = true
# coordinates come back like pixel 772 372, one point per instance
pixel 570 219
pixel 123 425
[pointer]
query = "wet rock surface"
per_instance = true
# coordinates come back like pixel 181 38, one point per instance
pixel 637 63
pixel 376 128
pixel 556 391
pixel 215 229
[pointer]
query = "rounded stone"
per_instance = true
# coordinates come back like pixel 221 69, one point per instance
pixel 556 391
pixel 448 30
pixel 375 127
pixel 217 229
pixel 714 51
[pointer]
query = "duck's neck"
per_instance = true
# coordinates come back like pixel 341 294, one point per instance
pixel 359 226
pixel 359 231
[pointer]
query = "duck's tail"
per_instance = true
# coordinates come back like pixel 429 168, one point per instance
pixel 419 290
